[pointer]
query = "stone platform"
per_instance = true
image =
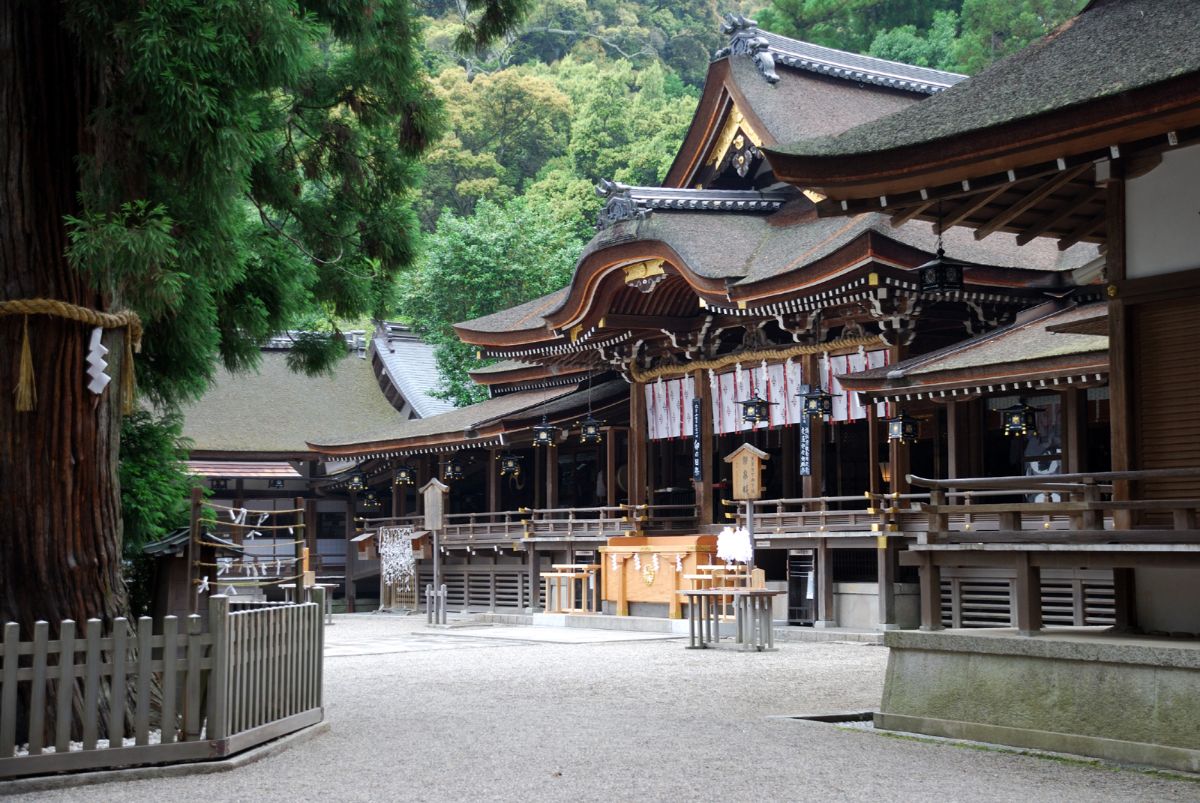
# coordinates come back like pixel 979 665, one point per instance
pixel 1076 690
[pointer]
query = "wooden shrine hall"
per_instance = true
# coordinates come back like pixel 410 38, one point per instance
pixel 1089 135
pixel 615 399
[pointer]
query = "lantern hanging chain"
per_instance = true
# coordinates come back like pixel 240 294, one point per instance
pixel 122 319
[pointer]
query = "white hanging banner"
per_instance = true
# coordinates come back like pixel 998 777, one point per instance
pixel 669 408
pixel 848 405
pixel 778 383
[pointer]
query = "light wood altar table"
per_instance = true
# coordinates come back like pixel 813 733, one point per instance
pixel 639 580
pixel 560 588
pixel 752 617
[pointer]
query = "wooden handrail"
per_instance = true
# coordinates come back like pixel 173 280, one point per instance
pixel 1045 482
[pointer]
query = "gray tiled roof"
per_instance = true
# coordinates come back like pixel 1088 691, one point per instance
pixel 1111 48
pixel 1021 342
pixel 411 366
pixel 275 409
pixel 744 249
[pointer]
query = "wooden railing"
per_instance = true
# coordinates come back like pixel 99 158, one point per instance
pixel 1083 509
pixel 254 676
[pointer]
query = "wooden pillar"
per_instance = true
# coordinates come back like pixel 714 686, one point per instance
pixel 931 593
pixel 636 460
pixel 610 468
pixel 788 448
pixel 310 533
pixel 397 500
pixel 1124 600
pixel 898 459
pixel 876 481
pixel 814 482
pixel 535 576
pixel 958 437
pixel 885 556
pixel 1120 358
pixel 1027 596
pixel 825 614
pixel 1074 431
pixel 351 549
pixel 703 486
pixel 493 483
pixel 551 476
pixel 539 477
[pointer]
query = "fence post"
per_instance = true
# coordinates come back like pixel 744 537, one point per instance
pixel 318 594
pixel 218 677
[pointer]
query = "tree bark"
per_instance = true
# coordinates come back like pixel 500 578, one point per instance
pixel 60 518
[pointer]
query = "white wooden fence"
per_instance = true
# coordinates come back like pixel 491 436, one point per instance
pixel 181 694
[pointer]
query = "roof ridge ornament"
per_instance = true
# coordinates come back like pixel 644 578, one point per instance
pixel 619 205
pixel 746 40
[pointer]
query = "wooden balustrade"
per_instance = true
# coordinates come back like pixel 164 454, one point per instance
pixel 1076 508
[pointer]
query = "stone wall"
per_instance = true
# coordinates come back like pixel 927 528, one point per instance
pixel 1129 699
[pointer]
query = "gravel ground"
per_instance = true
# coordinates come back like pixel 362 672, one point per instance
pixel 451 716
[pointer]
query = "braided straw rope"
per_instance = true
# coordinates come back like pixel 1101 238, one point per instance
pixel 123 319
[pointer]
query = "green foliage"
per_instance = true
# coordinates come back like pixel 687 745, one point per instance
pixel 155 485
pixel 254 160
pixel 475 265
pixel 960 35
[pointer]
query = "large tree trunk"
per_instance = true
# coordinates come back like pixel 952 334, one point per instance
pixel 60 519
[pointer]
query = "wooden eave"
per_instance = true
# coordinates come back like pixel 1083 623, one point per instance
pixel 717 100
pixel 1073 131
pixel 1041 176
pixel 1049 368
pixel 598 278
pixel 511 429
pixel 526 373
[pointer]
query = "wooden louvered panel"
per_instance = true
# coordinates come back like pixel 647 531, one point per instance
pixel 1166 384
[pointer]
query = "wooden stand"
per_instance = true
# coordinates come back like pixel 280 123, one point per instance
pixel 561 596
pixel 637 580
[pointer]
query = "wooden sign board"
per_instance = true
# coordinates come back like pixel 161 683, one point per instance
pixel 434 493
pixel 748 464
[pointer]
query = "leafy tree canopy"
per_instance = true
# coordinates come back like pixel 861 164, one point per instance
pixel 474 265
pixel 959 35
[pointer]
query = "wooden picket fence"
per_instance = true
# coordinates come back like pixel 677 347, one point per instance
pixel 189 695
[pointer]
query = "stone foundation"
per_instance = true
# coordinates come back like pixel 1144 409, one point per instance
pixel 1085 691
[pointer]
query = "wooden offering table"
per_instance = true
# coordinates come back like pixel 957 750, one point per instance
pixel 652 569
pixel 560 588
pixel 752 617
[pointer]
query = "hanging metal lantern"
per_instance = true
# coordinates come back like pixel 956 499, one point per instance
pixel 1020 419
pixel 589 430
pixel 755 410
pixel 941 274
pixel 357 482
pixel 405 475
pixel 370 501
pixel 817 403
pixel 545 433
pixel 903 429
pixel 453 470
pixel 510 465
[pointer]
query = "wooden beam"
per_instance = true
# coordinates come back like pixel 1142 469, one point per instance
pixel 1058 216
pixel 902 217
pixel 1082 231
pixel 931 592
pixel 1027 596
pixel 972 205
pixel 1031 200
pixel 703 486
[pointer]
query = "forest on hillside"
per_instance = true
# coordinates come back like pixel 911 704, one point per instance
pixel 587 90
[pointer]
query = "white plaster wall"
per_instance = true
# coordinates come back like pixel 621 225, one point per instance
pixel 1162 216
pixel 1168 600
